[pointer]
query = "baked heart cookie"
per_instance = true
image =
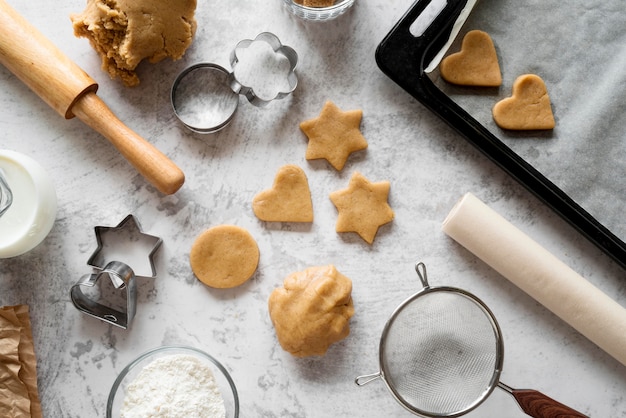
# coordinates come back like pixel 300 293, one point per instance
pixel 289 199
pixel 475 65
pixel 528 108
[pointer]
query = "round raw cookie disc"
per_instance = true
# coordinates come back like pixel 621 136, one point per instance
pixel 224 256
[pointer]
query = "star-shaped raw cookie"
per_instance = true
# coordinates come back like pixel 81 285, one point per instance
pixel 289 199
pixel 362 207
pixel 334 135
pixel 528 108
pixel 475 65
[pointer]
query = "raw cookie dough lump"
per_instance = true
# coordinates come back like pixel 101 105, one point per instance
pixel 124 32
pixel 312 310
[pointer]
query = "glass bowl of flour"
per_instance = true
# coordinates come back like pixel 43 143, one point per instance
pixel 173 382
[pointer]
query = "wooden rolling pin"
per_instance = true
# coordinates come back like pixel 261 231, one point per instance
pixel 36 61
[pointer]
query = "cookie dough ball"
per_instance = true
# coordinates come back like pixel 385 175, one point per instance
pixel 312 310
pixel 124 32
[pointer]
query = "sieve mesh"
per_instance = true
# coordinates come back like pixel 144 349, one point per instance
pixel 441 353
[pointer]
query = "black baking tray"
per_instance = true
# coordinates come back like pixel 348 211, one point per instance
pixel 403 57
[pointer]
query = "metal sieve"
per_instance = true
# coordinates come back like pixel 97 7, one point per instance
pixel 441 355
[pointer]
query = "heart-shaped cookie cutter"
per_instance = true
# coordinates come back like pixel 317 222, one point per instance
pixel 122 277
pixel 205 96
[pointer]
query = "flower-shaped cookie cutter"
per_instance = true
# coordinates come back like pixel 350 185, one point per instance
pixel 279 49
pixel 205 96
pixel 117 246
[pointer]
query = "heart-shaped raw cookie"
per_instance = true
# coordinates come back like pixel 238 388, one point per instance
pixel 475 65
pixel 528 108
pixel 289 199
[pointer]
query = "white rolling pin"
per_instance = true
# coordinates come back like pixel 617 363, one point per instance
pixel 539 273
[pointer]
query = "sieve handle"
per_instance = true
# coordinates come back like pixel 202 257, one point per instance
pixel 365 379
pixel 538 405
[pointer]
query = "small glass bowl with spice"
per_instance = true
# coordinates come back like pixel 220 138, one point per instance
pixel 318 10
pixel 173 381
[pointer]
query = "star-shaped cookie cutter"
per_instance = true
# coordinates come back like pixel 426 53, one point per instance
pixel 126 234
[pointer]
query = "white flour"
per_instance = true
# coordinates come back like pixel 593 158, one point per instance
pixel 175 386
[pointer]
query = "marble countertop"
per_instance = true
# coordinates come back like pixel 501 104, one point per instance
pixel 429 166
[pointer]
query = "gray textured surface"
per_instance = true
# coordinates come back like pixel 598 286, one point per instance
pixel 429 168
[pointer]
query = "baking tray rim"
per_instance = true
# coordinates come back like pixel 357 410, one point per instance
pixel 403 58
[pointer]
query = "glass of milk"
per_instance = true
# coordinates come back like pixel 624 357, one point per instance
pixel 28 204
pixel 6 196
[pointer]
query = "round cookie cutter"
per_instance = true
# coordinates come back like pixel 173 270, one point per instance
pixel 205 96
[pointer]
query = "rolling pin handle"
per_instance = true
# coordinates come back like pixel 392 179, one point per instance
pixel 155 166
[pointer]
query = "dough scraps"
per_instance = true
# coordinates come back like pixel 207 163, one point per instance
pixel 334 135
pixel 528 108
pixel 312 310
pixel 289 199
pixel 475 65
pixel 224 256
pixel 362 207
pixel 124 32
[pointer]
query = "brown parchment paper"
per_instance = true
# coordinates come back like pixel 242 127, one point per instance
pixel 18 365
pixel 579 49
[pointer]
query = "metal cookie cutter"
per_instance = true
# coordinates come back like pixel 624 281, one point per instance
pixel 205 96
pixel 115 301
